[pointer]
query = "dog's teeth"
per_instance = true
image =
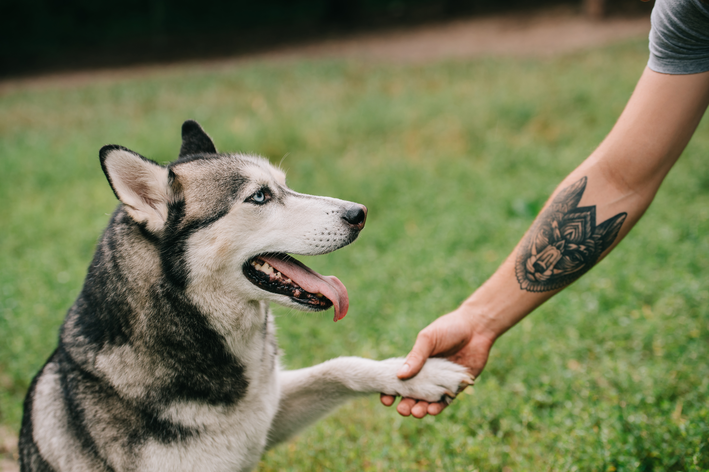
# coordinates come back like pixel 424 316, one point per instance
pixel 266 267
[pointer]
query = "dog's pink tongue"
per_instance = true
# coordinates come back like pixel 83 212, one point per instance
pixel 311 281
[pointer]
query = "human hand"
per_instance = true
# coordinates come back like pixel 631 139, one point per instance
pixel 456 336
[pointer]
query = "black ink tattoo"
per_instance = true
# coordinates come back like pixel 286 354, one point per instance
pixel 564 243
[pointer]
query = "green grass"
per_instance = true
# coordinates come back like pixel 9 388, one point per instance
pixel 453 159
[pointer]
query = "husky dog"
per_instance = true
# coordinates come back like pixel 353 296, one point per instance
pixel 167 361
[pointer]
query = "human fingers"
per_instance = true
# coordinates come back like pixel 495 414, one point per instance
pixel 387 400
pixel 436 408
pixel 420 409
pixel 423 347
pixel 405 405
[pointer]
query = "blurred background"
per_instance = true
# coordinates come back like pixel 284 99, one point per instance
pixel 453 122
pixel 46 35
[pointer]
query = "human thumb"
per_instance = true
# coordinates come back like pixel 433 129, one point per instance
pixel 416 359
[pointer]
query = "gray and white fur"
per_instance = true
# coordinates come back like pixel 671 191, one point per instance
pixel 168 361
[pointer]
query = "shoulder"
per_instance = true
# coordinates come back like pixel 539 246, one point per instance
pixel 679 39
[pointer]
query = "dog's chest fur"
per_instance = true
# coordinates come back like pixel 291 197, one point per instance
pixel 177 390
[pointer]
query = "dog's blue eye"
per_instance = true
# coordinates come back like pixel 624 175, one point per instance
pixel 259 197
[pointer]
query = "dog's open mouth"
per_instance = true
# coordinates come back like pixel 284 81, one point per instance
pixel 282 274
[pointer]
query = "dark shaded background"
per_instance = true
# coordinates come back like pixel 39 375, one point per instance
pixel 49 35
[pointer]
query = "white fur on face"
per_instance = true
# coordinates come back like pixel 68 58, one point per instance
pixel 291 223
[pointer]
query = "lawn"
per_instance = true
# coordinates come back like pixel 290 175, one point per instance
pixel 453 160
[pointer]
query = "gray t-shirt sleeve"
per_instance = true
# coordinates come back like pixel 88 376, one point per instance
pixel 679 38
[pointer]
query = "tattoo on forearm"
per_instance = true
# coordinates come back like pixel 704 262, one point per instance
pixel 564 243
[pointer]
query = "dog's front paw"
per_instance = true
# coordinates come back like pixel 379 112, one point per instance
pixel 438 380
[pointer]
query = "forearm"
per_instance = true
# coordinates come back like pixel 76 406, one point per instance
pixel 585 218
pixel 597 204
pixel 579 226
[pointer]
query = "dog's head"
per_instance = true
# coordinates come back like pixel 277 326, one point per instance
pixel 228 222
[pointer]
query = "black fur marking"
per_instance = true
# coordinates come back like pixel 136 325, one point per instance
pixel 196 355
pixel 152 426
pixel 31 459
pixel 134 425
pixel 109 319
pixel 174 244
pixel 195 140
pixel 177 231
pixel 202 369
pixel 147 234
pixel 74 385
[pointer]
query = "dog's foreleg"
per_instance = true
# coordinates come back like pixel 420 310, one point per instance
pixel 309 394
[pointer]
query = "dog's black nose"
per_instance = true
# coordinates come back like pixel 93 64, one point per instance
pixel 356 215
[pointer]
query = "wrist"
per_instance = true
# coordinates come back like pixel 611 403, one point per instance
pixel 500 303
pixel 493 309
pixel 482 321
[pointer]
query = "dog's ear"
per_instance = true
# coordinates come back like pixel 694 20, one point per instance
pixel 195 140
pixel 141 184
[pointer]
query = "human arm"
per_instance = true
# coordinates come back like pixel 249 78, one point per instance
pixel 613 187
